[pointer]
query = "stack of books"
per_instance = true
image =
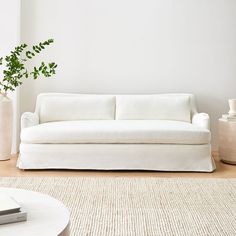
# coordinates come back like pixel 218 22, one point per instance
pixel 10 210
pixel 229 117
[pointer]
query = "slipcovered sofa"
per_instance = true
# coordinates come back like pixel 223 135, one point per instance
pixel 161 132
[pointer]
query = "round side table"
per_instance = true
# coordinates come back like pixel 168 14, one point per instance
pixel 227 141
pixel 45 215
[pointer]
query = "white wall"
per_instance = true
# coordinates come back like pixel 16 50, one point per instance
pixel 9 38
pixel 137 46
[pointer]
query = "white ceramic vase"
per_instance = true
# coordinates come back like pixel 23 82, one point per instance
pixel 232 107
pixel 6 113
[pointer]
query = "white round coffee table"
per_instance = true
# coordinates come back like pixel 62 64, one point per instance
pixel 46 215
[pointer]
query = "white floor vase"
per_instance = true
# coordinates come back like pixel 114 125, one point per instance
pixel 6 114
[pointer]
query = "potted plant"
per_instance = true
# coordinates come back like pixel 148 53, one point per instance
pixel 14 73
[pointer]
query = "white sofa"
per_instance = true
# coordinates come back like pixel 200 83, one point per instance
pixel 132 132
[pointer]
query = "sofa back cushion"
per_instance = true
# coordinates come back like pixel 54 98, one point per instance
pixel 80 107
pixel 153 107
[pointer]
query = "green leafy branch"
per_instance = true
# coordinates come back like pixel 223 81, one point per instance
pixel 15 68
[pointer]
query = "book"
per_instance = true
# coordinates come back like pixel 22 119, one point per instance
pixel 13 217
pixel 8 205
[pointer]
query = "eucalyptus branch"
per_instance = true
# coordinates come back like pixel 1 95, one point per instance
pixel 16 70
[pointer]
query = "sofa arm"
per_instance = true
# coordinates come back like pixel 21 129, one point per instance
pixel 29 119
pixel 202 120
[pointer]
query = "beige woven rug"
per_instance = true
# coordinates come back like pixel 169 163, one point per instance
pixel 141 206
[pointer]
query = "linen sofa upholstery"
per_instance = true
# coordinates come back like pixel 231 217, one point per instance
pixel 153 107
pixel 117 131
pixel 83 131
pixel 77 108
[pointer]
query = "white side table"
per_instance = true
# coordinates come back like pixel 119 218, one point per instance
pixel 46 215
pixel 227 141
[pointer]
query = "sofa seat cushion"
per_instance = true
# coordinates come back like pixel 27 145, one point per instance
pixel 116 131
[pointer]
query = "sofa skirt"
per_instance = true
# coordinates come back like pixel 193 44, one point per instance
pixel 157 157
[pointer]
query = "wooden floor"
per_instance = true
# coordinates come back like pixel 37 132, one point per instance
pixel 8 168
